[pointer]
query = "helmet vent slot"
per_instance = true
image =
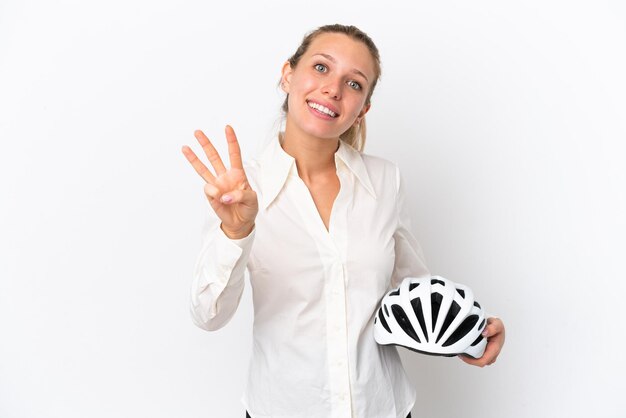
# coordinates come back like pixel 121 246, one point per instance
pixel 462 330
pixel 404 322
pixel 479 339
pixel 383 322
pixel 435 304
pixel 452 313
pixel 419 313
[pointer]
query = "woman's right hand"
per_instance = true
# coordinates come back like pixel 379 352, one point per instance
pixel 228 191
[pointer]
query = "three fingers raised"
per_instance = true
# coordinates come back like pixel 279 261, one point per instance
pixel 213 156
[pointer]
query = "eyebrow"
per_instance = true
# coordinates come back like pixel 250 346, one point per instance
pixel 330 58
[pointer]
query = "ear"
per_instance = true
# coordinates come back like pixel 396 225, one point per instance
pixel 362 113
pixel 365 109
pixel 285 78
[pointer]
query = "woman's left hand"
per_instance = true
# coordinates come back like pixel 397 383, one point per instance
pixel 494 332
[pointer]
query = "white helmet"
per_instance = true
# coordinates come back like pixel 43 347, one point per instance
pixel 432 316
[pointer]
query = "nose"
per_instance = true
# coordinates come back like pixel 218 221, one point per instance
pixel 333 88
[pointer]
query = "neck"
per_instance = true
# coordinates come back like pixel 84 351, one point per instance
pixel 315 157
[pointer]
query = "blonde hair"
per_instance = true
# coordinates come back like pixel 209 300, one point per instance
pixel 355 135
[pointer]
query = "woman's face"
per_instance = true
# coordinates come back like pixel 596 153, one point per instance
pixel 328 87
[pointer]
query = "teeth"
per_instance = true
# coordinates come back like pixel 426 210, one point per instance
pixel 322 109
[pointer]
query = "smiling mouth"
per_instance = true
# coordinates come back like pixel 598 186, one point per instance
pixel 322 109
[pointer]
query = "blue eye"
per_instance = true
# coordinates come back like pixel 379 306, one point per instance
pixel 320 67
pixel 354 85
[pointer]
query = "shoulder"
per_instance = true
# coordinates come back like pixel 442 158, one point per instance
pixel 382 172
pixel 378 164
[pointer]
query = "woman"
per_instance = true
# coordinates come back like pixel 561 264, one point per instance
pixel 324 231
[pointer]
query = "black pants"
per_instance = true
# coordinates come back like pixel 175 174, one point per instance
pixel 248 416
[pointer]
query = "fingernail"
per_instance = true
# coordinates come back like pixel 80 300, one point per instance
pixel 485 333
pixel 227 199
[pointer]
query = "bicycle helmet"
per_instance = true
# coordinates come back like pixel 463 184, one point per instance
pixel 431 316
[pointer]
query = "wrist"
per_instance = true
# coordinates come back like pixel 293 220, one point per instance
pixel 237 233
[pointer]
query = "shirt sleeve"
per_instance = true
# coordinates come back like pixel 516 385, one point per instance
pixel 409 260
pixel 218 277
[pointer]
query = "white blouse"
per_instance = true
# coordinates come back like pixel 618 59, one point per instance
pixel 315 291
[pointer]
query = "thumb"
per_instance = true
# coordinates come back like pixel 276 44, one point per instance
pixel 246 197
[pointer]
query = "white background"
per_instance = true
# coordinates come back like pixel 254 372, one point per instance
pixel 508 120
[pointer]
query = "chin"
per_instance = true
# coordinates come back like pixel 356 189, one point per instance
pixel 318 132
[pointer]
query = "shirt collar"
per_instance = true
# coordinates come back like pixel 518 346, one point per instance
pixel 276 164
